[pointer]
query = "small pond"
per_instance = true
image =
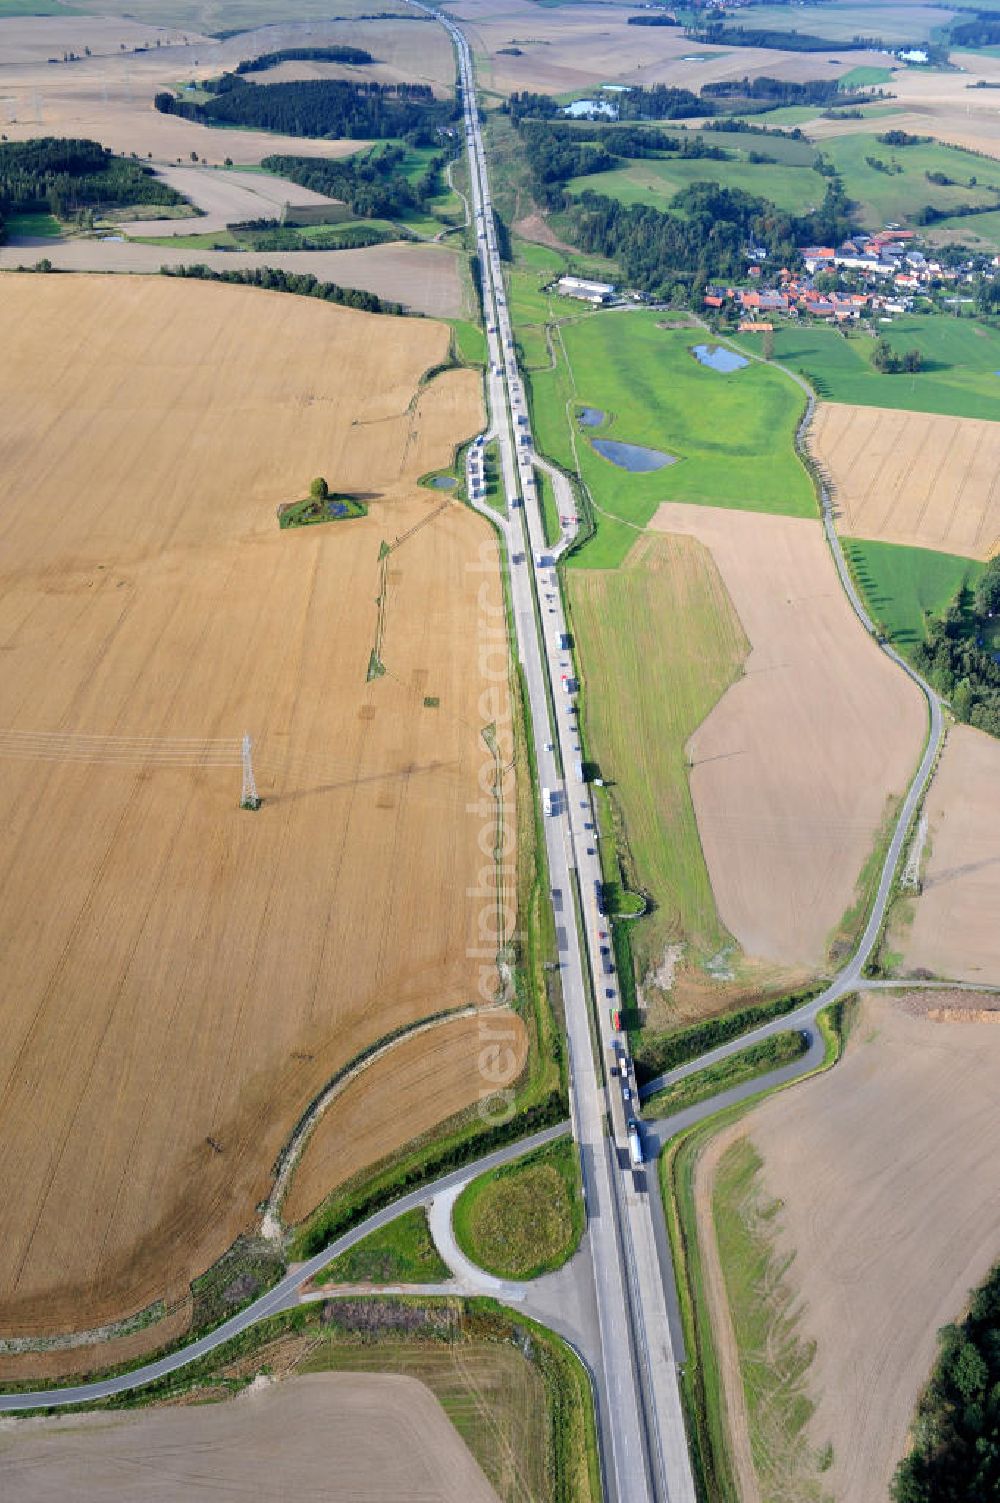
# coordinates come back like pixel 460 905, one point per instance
pixel 632 457
pixel 718 359
pixel 444 482
pixel 590 417
pixel 582 109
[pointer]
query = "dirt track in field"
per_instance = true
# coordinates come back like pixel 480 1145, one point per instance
pixel 887 1239
pixel 956 924
pixel 345 1437
pixel 912 477
pixel 792 770
pixel 182 977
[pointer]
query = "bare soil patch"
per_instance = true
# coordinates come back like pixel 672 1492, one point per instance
pixel 361 1437
pixel 183 977
pixel 956 923
pixel 424 278
pixel 225 197
pixel 886 1236
pixel 792 770
pixel 912 477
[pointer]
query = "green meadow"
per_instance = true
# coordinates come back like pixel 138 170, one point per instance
pixel 961 360
pixel 731 436
pixel 902 586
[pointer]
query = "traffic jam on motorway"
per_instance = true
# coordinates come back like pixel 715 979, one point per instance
pixel 558 642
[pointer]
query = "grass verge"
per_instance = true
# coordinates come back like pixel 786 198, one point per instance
pixel 770 1054
pixel 660 643
pixel 401 1253
pixel 525 1218
pixel 668 1051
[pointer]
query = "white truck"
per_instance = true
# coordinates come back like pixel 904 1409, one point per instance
pixel 551 799
pixel 634 1143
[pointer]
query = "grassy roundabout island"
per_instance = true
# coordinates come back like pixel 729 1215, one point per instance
pixel 525 1218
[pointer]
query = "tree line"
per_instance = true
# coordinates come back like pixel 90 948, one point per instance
pixel 556 153
pixel 703 237
pixel 780 92
pixel 303 284
pixel 354 55
pixel 62 177
pixel 372 184
pixel 956 1438
pixel 716 34
pixel 955 658
pixel 333 108
pixel 665 102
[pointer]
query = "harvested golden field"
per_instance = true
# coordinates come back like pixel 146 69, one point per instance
pixel 912 477
pixel 956 929
pixel 424 278
pixel 420 1082
pixel 873 1242
pixel 346 1437
pixel 942 104
pixel 182 977
pixel 575 46
pixel 792 770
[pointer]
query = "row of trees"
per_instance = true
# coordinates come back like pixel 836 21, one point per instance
pixel 354 55
pixel 373 184
pixel 781 92
pixel 717 34
pixel 329 107
pixel 956 1439
pixel 65 177
pixel 304 284
pixel 956 659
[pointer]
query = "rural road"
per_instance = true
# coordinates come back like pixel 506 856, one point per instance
pixel 848 979
pixel 283 1296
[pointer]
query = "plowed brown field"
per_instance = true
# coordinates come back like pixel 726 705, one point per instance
pixel 182 977
pixel 886 1183
pixel 912 477
pixel 956 924
pixel 792 769
pixel 342 1437
pixel 576 46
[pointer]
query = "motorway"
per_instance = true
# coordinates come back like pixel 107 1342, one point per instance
pixel 648 1456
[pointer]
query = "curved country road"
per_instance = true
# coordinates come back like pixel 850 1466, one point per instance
pixel 281 1297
